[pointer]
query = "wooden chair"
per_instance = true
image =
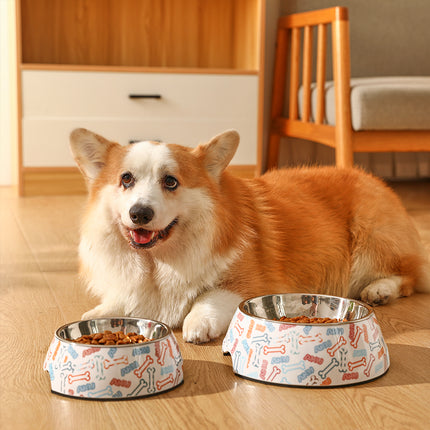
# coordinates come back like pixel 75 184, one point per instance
pixel 340 136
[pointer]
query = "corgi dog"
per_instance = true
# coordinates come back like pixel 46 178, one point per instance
pixel 170 235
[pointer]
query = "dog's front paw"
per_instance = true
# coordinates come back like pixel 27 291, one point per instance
pixel 100 311
pixel 382 291
pixel 210 316
pixel 199 328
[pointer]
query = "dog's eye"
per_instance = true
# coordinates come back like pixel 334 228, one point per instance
pixel 170 183
pixel 127 180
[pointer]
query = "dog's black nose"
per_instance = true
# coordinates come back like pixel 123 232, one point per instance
pixel 141 214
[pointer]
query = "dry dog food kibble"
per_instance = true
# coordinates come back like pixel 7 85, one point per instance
pixel 109 338
pixel 306 320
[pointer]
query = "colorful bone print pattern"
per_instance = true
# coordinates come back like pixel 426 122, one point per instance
pixel 117 372
pixel 307 355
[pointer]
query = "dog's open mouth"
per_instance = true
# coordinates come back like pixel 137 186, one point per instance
pixel 141 238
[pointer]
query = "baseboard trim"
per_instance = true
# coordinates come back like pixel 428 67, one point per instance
pixel 50 181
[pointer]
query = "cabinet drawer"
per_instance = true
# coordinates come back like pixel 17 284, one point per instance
pixel 107 94
pixel 46 141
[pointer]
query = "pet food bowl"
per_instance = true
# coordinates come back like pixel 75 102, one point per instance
pixel 114 371
pixel 298 354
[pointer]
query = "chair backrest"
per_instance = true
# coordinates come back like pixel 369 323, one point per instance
pixel 291 27
pixel 339 136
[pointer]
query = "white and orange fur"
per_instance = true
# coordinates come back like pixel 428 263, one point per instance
pixel 211 240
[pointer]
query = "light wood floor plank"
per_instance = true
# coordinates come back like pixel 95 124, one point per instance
pixel 29 316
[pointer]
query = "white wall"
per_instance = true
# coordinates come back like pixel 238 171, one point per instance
pixel 6 116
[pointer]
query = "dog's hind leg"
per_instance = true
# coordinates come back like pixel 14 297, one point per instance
pixel 384 290
pixel 381 285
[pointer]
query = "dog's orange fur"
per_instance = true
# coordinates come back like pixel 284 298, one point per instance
pixel 312 230
pixel 302 225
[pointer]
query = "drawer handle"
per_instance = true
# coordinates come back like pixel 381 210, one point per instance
pixel 144 96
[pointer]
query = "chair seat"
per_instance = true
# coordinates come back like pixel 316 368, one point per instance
pixel 381 103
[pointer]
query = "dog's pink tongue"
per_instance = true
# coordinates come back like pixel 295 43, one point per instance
pixel 142 236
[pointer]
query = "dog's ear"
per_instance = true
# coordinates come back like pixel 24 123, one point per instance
pixel 219 151
pixel 90 152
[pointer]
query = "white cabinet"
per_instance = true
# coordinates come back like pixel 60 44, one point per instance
pixel 182 108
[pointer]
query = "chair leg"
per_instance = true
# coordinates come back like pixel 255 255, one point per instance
pixel 278 93
pixel 273 151
pixel 344 153
pixel 342 74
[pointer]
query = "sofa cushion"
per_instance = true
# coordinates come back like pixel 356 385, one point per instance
pixel 382 103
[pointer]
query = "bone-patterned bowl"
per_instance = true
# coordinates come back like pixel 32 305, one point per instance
pixel 297 354
pixel 102 372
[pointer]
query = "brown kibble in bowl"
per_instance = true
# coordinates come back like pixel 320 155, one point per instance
pixel 109 338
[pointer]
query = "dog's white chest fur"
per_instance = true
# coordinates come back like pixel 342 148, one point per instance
pixel 159 286
pixel 140 286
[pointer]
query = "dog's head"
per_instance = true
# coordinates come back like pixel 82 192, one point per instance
pixel 152 189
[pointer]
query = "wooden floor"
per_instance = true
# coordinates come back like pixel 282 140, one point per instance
pixel 40 292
